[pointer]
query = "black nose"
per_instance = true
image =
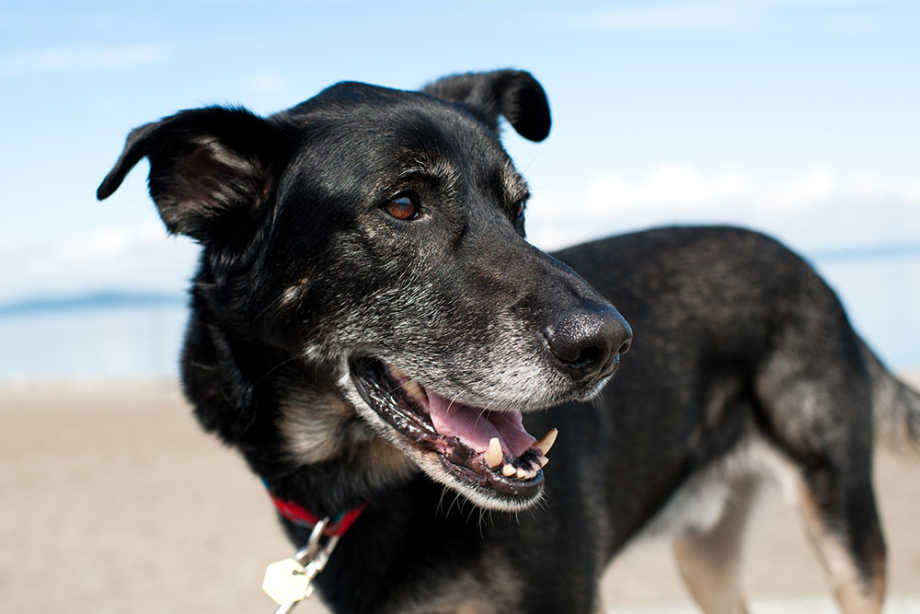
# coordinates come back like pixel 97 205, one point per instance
pixel 586 342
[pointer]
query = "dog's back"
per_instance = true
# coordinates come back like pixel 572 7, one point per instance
pixel 745 367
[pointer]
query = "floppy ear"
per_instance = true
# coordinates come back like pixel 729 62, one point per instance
pixel 211 169
pixel 512 93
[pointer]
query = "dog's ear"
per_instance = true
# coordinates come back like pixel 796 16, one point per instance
pixel 512 93
pixel 211 169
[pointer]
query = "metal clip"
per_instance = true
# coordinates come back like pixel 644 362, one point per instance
pixel 312 557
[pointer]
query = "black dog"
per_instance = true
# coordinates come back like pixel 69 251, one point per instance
pixel 368 324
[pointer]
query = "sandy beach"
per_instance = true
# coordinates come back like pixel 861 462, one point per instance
pixel 116 501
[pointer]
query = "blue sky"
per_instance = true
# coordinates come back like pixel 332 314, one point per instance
pixel 795 117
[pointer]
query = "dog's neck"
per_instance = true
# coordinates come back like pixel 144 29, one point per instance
pixel 302 517
pixel 245 408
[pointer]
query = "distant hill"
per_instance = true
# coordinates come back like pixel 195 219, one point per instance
pixel 103 299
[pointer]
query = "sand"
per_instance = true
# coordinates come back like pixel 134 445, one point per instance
pixel 115 501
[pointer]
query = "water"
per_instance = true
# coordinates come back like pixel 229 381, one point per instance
pixel 124 342
pixel 882 296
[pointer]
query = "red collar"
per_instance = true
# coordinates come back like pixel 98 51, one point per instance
pixel 299 515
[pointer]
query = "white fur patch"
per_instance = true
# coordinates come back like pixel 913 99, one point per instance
pixel 309 424
pixel 699 502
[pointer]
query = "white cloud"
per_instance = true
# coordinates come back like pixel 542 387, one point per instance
pixel 141 257
pixel 817 209
pixel 84 58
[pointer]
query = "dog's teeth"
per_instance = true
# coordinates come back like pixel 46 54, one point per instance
pixel 414 390
pixel 527 474
pixel 508 470
pixel 494 455
pixel 542 460
pixel 547 442
pixel 397 373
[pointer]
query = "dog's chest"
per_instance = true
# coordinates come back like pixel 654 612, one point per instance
pixel 488 586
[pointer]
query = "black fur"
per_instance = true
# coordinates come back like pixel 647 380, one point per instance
pixel 738 341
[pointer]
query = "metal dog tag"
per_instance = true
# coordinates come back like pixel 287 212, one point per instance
pixel 287 582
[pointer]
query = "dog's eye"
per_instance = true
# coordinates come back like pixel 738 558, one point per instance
pixel 402 208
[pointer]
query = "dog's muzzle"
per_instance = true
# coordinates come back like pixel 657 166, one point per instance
pixel 485 449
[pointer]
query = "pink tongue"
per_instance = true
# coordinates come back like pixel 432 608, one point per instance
pixel 475 428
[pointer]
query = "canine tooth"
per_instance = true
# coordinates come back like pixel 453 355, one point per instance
pixel 415 391
pixel 547 442
pixel 542 460
pixel 494 455
pixel 397 373
pixel 508 470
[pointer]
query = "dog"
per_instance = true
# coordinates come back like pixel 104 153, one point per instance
pixel 371 330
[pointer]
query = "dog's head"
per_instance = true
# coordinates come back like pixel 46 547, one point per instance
pixel 375 237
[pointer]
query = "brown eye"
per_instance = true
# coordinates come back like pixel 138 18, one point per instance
pixel 402 208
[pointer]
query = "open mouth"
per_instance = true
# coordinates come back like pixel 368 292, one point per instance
pixel 482 448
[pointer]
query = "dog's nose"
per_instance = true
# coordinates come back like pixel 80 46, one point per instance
pixel 586 342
